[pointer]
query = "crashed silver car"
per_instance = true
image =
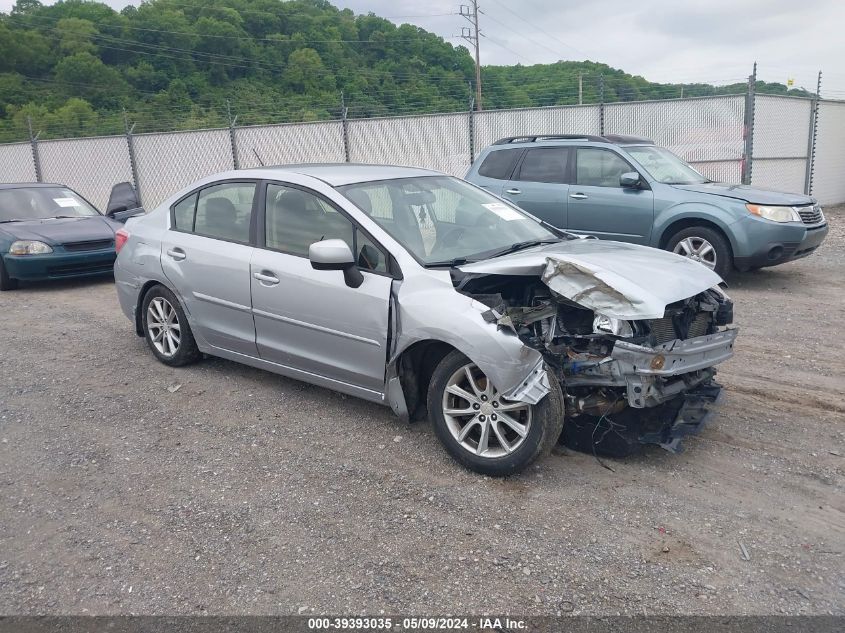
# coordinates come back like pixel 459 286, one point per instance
pixel 420 291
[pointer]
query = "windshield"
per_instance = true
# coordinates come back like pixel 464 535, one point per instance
pixel 442 220
pixel 41 203
pixel 664 166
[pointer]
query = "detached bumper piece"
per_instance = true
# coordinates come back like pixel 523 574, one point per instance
pixel 625 433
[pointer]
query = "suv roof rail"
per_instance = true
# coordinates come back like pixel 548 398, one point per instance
pixel 620 139
pixel 627 139
pixel 531 138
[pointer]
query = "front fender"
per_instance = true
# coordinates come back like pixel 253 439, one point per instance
pixel 442 314
pixel 698 210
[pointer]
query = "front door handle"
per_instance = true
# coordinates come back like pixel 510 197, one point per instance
pixel 578 196
pixel 177 253
pixel 513 192
pixel 266 277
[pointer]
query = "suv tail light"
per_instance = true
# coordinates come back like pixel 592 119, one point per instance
pixel 120 237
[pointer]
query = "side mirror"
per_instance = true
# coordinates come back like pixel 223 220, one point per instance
pixel 630 180
pixel 335 255
pixel 123 202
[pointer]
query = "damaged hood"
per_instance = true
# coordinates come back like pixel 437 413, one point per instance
pixel 623 281
pixel 754 195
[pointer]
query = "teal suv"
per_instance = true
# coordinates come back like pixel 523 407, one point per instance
pixel 626 188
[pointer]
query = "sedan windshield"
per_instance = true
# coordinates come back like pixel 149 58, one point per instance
pixel 664 166
pixel 42 203
pixel 443 220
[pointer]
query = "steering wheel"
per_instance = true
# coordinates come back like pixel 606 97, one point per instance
pixel 449 238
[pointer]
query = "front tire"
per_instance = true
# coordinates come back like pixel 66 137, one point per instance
pixel 704 245
pixel 166 328
pixel 6 282
pixel 483 431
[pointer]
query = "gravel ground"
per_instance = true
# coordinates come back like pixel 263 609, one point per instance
pixel 243 492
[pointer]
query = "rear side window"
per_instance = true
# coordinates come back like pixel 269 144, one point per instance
pixel 224 211
pixel 499 164
pixel 545 164
pixel 183 213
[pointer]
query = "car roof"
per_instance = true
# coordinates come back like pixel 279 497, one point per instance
pixel 28 185
pixel 338 174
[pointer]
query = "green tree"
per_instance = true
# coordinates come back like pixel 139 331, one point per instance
pixel 75 36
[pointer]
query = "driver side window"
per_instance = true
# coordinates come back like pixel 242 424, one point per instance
pixel 295 219
pixel 600 168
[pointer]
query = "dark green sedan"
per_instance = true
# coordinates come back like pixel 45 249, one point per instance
pixel 49 231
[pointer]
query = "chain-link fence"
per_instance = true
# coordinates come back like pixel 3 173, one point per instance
pixel 781 142
pixel 320 142
pixel 706 132
pixel 792 150
pixel 828 167
pixel 438 142
pixel 91 166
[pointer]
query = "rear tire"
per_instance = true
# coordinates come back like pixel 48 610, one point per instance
pixel 6 282
pixel 483 431
pixel 166 328
pixel 704 244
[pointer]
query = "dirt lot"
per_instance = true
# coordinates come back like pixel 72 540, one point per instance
pixel 243 492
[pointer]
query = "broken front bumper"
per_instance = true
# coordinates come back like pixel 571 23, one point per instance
pixel 654 375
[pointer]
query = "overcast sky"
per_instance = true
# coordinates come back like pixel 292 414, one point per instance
pixel 663 40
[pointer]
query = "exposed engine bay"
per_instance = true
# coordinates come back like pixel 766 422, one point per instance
pixel 626 382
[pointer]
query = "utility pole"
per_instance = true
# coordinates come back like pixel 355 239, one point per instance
pixel 471 35
pixel 580 88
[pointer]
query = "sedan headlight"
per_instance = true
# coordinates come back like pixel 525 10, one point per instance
pixel 603 324
pixel 775 214
pixel 29 247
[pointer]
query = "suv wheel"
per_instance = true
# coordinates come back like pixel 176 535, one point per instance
pixel 6 282
pixel 166 328
pixel 704 245
pixel 483 431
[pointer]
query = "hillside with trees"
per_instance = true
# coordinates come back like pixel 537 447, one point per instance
pixel 74 68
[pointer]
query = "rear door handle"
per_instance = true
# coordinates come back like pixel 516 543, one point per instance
pixel 513 192
pixel 578 196
pixel 266 277
pixel 177 253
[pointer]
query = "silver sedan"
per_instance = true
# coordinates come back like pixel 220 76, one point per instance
pixel 416 290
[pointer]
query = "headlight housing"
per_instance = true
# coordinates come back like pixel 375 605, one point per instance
pixel 603 324
pixel 29 247
pixel 775 214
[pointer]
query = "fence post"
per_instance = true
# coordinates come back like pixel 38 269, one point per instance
pixel 232 140
pixel 130 145
pixel 344 127
pixel 33 142
pixel 601 105
pixel 748 152
pixel 471 130
pixel 811 137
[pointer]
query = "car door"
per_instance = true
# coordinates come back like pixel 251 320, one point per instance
pixel 309 319
pixel 540 184
pixel 206 255
pixel 600 206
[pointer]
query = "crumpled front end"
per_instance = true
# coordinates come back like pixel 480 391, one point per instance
pixel 648 378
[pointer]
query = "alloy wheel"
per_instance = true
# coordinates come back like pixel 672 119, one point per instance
pixel 163 327
pixel 697 249
pixel 479 418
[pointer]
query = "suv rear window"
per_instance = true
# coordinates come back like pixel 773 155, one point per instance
pixel 499 164
pixel 545 164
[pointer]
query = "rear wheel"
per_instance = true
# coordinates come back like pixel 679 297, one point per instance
pixel 6 282
pixel 704 245
pixel 484 431
pixel 166 328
